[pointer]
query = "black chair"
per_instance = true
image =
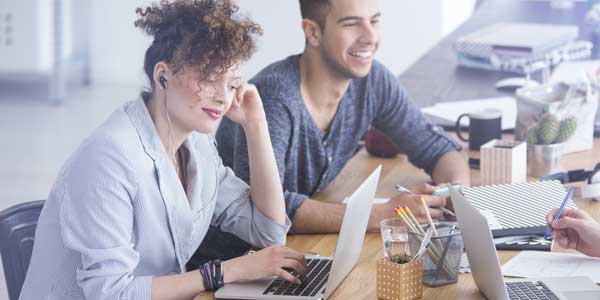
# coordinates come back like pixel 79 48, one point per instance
pixel 17 229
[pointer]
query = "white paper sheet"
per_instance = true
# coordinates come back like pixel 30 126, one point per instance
pixel 574 71
pixel 446 113
pixel 375 200
pixel 551 264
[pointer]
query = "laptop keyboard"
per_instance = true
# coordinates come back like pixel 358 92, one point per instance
pixel 528 290
pixel 317 273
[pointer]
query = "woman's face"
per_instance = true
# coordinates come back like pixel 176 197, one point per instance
pixel 195 105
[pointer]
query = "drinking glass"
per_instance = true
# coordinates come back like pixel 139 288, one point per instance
pixel 394 236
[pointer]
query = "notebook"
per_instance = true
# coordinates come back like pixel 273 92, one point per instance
pixel 519 208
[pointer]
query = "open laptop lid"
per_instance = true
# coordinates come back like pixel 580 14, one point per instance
pixel 479 245
pixel 352 232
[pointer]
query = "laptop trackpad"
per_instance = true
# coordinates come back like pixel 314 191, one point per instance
pixel 582 295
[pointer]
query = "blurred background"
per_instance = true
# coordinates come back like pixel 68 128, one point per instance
pixel 65 65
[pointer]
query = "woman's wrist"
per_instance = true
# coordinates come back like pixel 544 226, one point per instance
pixel 212 275
pixel 229 271
pixel 254 125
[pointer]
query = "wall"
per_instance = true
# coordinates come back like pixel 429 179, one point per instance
pixel 409 28
pixel 117 47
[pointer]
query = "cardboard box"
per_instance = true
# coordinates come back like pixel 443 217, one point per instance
pixel 503 162
pixel 399 281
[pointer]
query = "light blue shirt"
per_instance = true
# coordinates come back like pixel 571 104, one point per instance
pixel 118 215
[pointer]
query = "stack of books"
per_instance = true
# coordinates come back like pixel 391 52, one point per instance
pixel 516 47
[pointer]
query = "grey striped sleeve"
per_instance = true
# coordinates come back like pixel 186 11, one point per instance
pixel 96 221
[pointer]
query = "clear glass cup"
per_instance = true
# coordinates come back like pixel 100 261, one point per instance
pixel 394 236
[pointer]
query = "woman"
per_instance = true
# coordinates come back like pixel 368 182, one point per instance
pixel 135 200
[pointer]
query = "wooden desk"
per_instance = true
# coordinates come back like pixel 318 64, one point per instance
pixel 361 282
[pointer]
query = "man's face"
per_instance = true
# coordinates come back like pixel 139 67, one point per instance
pixel 351 36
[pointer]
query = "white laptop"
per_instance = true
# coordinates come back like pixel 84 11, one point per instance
pixel 485 265
pixel 323 274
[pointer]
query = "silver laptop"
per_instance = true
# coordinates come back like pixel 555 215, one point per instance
pixel 486 271
pixel 323 274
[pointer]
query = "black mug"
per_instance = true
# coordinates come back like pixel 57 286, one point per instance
pixel 484 126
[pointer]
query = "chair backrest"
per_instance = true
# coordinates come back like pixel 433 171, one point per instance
pixel 17 229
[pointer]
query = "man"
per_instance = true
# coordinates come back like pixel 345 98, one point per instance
pixel 320 103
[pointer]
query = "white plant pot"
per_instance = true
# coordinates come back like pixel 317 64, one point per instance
pixel 544 159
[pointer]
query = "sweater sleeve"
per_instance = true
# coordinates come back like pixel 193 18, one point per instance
pixel 402 121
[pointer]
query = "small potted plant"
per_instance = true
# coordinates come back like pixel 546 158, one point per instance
pixel 545 140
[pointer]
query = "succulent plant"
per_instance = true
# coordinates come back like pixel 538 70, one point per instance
pixel 548 128
pixel 401 258
pixel 551 130
pixel 531 136
pixel 566 129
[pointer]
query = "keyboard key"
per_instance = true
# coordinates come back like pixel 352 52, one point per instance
pixel 529 291
pixel 316 277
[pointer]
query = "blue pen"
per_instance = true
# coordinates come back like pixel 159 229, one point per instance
pixel 548 233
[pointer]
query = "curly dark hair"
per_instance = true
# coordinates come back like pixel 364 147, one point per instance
pixel 205 35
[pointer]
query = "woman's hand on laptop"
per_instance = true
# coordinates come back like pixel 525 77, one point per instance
pixel 271 261
pixel 576 230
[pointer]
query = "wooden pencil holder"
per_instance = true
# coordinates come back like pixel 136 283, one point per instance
pixel 399 281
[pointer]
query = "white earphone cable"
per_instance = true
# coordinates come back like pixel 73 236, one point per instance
pixel 168 118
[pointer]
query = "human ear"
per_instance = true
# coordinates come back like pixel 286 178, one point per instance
pixel 312 32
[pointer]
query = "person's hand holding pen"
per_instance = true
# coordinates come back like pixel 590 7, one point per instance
pixel 412 199
pixel 438 191
pixel 576 230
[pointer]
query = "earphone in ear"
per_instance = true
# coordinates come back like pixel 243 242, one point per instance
pixel 163 81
